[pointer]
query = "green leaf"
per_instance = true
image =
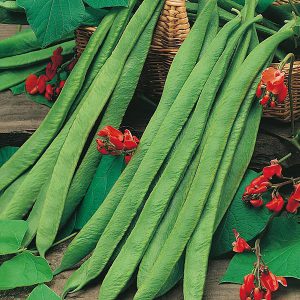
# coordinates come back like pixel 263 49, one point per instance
pixel 11 6
pixel 108 172
pixel 53 19
pixel 24 269
pixel 12 233
pixel 248 221
pixel 42 292
pixel 106 3
pixel 93 17
pixel 280 251
pixel 6 153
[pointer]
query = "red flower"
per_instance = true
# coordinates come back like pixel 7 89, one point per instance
pixel 49 92
pixel 57 58
pixel 51 70
pixel 41 83
pixel 276 204
pixel 31 84
pixel 282 94
pixel 268 295
pixel 258 294
pixel 274 169
pixel 130 142
pixel 272 87
pixel 294 200
pixel 108 131
pixel 271 281
pixel 257 202
pixel 240 245
pixel 127 159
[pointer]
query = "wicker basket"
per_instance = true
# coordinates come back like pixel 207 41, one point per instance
pixel 83 35
pixel 283 111
pixel 282 2
pixel 171 30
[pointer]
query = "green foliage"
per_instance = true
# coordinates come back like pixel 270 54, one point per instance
pixel 248 221
pixel 12 233
pixel 42 292
pixel 106 3
pixel 280 250
pixel 6 153
pixel 24 269
pixel 53 19
pixel 109 170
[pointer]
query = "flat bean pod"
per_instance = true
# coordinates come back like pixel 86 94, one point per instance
pixel 26 59
pixel 210 160
pixel 87 239
pixel 156 204
pixel 28 154
pixel 83 123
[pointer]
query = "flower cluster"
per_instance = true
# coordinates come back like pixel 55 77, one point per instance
pixel 253 194
pixel 41 84
pixel 113 142
pixel 272 89
pixel 260 284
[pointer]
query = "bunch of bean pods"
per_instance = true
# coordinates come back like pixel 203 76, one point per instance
pixel 156 224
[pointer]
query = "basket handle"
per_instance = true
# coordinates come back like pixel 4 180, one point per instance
pixel 290 57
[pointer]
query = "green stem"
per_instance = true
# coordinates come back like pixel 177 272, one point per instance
pixel 284 158
pixel 291 57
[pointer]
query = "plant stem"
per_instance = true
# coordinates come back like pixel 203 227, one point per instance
pixel 284 158
pixel 290 181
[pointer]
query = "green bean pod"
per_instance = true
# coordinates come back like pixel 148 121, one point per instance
pixel 83 123
pixel 211 156
pixel 156 204
pixel 87 239
pixel 26 59
pixel 113 114
pixel 133 197
pixel 28 154
pixel 20 43
pixel 117 28
pixel 9 78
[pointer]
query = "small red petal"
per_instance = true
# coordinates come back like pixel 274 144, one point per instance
pixel 282 94
pixel 276 204
pixel 31 84
pixel 257 294
pixel 259 91
pixel 243 294
pixel 271 171
pixel 257 203
pixel 116 142
pixel 62 84
pixel 127 159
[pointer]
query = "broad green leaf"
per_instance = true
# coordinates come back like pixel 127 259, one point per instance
pixel 108 172
pixel 106 3
pixel 53 19
pixel 42 292
pixel 93 17
pixel 280 251
pixel 6 153
pixel 12 233
pixel 248 221
pixel 24 269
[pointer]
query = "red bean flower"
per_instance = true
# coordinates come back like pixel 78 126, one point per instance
pixel 294 200
pixel 113 142
pixel 272 89
pixel 35 84
pixel 274 169
pixel 276 204
pixel 270 281
pixel 240 245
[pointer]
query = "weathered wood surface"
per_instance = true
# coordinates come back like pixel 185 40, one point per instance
pixel 19 118
pixel 214 291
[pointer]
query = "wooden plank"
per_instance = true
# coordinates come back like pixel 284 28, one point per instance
pixel 213 291
pixel 19 118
